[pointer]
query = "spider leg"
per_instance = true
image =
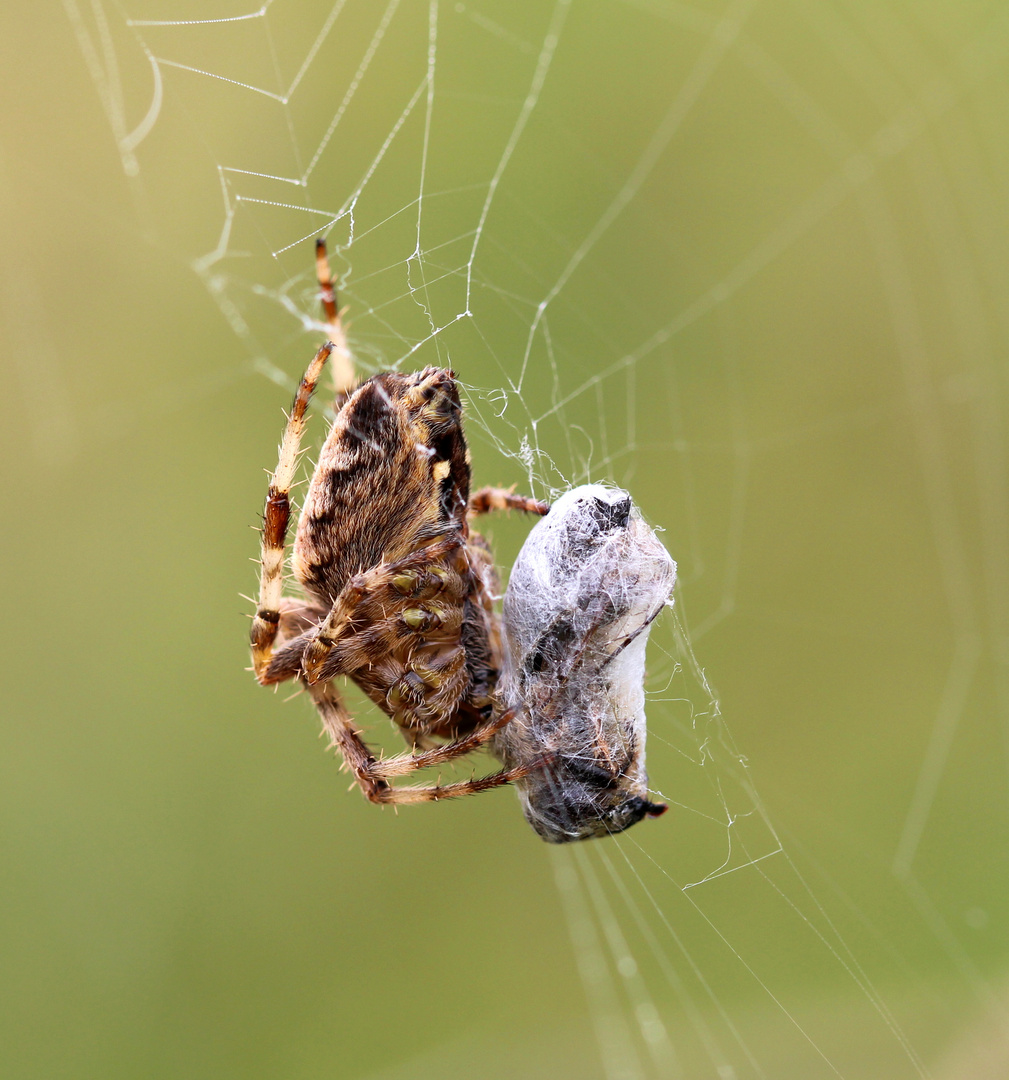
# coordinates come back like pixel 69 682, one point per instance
pixel 298 622
pixel 337 724
pixel 439 755
pixel 494 498
pixel 276 517
pixel 342 367
pixel 337 623
pixel 433 792
pixel 368 770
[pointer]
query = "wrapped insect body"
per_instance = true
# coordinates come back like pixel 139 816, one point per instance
pixel 583 593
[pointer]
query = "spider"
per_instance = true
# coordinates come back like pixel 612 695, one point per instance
pixel 397 587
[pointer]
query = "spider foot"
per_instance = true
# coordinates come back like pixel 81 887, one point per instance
pixel 314 658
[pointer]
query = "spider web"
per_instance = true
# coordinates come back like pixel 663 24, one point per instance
pixel 601 334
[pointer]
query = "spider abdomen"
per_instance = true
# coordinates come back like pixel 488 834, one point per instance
pixel 377 491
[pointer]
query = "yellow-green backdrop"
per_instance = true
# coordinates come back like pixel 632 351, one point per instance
pixel 748 259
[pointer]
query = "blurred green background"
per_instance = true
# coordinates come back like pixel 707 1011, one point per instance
pixel 748 260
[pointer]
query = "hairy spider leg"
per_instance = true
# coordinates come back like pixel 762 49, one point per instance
pixel 494 498
pixel 276 516
pixel 297 619
pixel 371 774
pixel 438 755
pixel 342 366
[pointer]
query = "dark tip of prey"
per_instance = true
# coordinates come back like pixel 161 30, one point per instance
pixel 654 809
pixel 612 515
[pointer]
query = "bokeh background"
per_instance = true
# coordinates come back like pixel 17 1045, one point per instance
pixel 747 259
